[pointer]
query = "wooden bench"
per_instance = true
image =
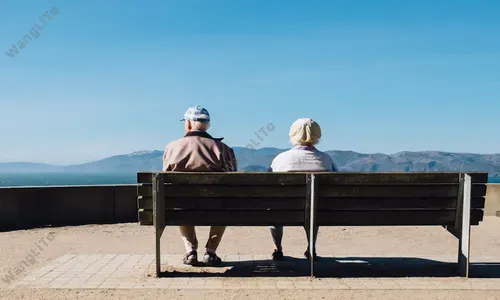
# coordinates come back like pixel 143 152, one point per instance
pixel 452 200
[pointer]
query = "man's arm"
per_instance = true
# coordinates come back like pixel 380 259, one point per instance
pixel 166 165
pixel 230 163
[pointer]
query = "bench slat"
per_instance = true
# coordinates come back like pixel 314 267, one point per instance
pixel 232 191
pixel 387 218
pixel 394 203
pixel 296 218
pixel 398 191
pixel 328 178
pixel 235 218
pixel 397 178
pixel 235 178
pixel 228 203
pixel 299 203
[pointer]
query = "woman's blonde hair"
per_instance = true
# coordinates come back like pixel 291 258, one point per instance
pixel 305 131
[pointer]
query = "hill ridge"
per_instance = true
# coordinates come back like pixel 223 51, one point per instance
pixel 260 159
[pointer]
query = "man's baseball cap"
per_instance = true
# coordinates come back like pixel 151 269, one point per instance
pixel 197 113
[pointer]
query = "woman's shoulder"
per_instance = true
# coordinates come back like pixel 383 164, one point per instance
pixel 283 159
pixel 323 154
pixel 283 155
pixel 327 159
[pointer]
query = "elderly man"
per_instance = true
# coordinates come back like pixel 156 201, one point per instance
pixel 198 151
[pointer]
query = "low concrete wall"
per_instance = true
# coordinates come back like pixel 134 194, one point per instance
pixel 28 207
pixel 492 206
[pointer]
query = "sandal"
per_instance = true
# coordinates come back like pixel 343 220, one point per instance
pixel 211 259
pixel 277 255
pixel 308 255
pixel 191 258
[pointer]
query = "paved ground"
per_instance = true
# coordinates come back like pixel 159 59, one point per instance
pixel 124 271
pixel 102 261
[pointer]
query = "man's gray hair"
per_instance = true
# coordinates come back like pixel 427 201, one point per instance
pixel 201 126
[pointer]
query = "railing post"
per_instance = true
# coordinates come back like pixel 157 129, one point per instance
pixel 158 214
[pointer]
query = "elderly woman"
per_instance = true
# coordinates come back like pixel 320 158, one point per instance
pixel 304 157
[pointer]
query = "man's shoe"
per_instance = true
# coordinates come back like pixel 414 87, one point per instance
pixel 191 258
pixel 277 255
pixel 211 259
pixel 308 255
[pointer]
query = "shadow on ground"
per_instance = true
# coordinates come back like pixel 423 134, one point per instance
pixel 340 267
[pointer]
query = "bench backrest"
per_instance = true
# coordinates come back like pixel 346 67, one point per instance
pixel 251 199
pixel 338 199
pixel 396 198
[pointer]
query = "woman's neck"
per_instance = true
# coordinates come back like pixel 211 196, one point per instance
pixel 305 147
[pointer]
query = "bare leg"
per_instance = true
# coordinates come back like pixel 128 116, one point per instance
pixel 315 235
pixel 189 237
pixel 216 233
pixel 277 234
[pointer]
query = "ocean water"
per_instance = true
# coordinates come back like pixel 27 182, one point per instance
pixel 494 180
pixel 46 179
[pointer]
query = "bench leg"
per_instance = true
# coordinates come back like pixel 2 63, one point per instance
pixel 312 187
pixel 311 240
pixel 464 238
pixel 461 229
pixel 158 253
pixel 158 215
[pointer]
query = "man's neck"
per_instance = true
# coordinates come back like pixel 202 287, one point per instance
pixel 202 134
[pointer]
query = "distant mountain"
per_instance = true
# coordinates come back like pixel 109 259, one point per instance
pixel 126 163
pixel 417 161
pixel 259 160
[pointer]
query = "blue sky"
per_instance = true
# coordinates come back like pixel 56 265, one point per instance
pixel 113 77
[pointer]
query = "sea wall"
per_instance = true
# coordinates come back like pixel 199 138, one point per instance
pixel 30 207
